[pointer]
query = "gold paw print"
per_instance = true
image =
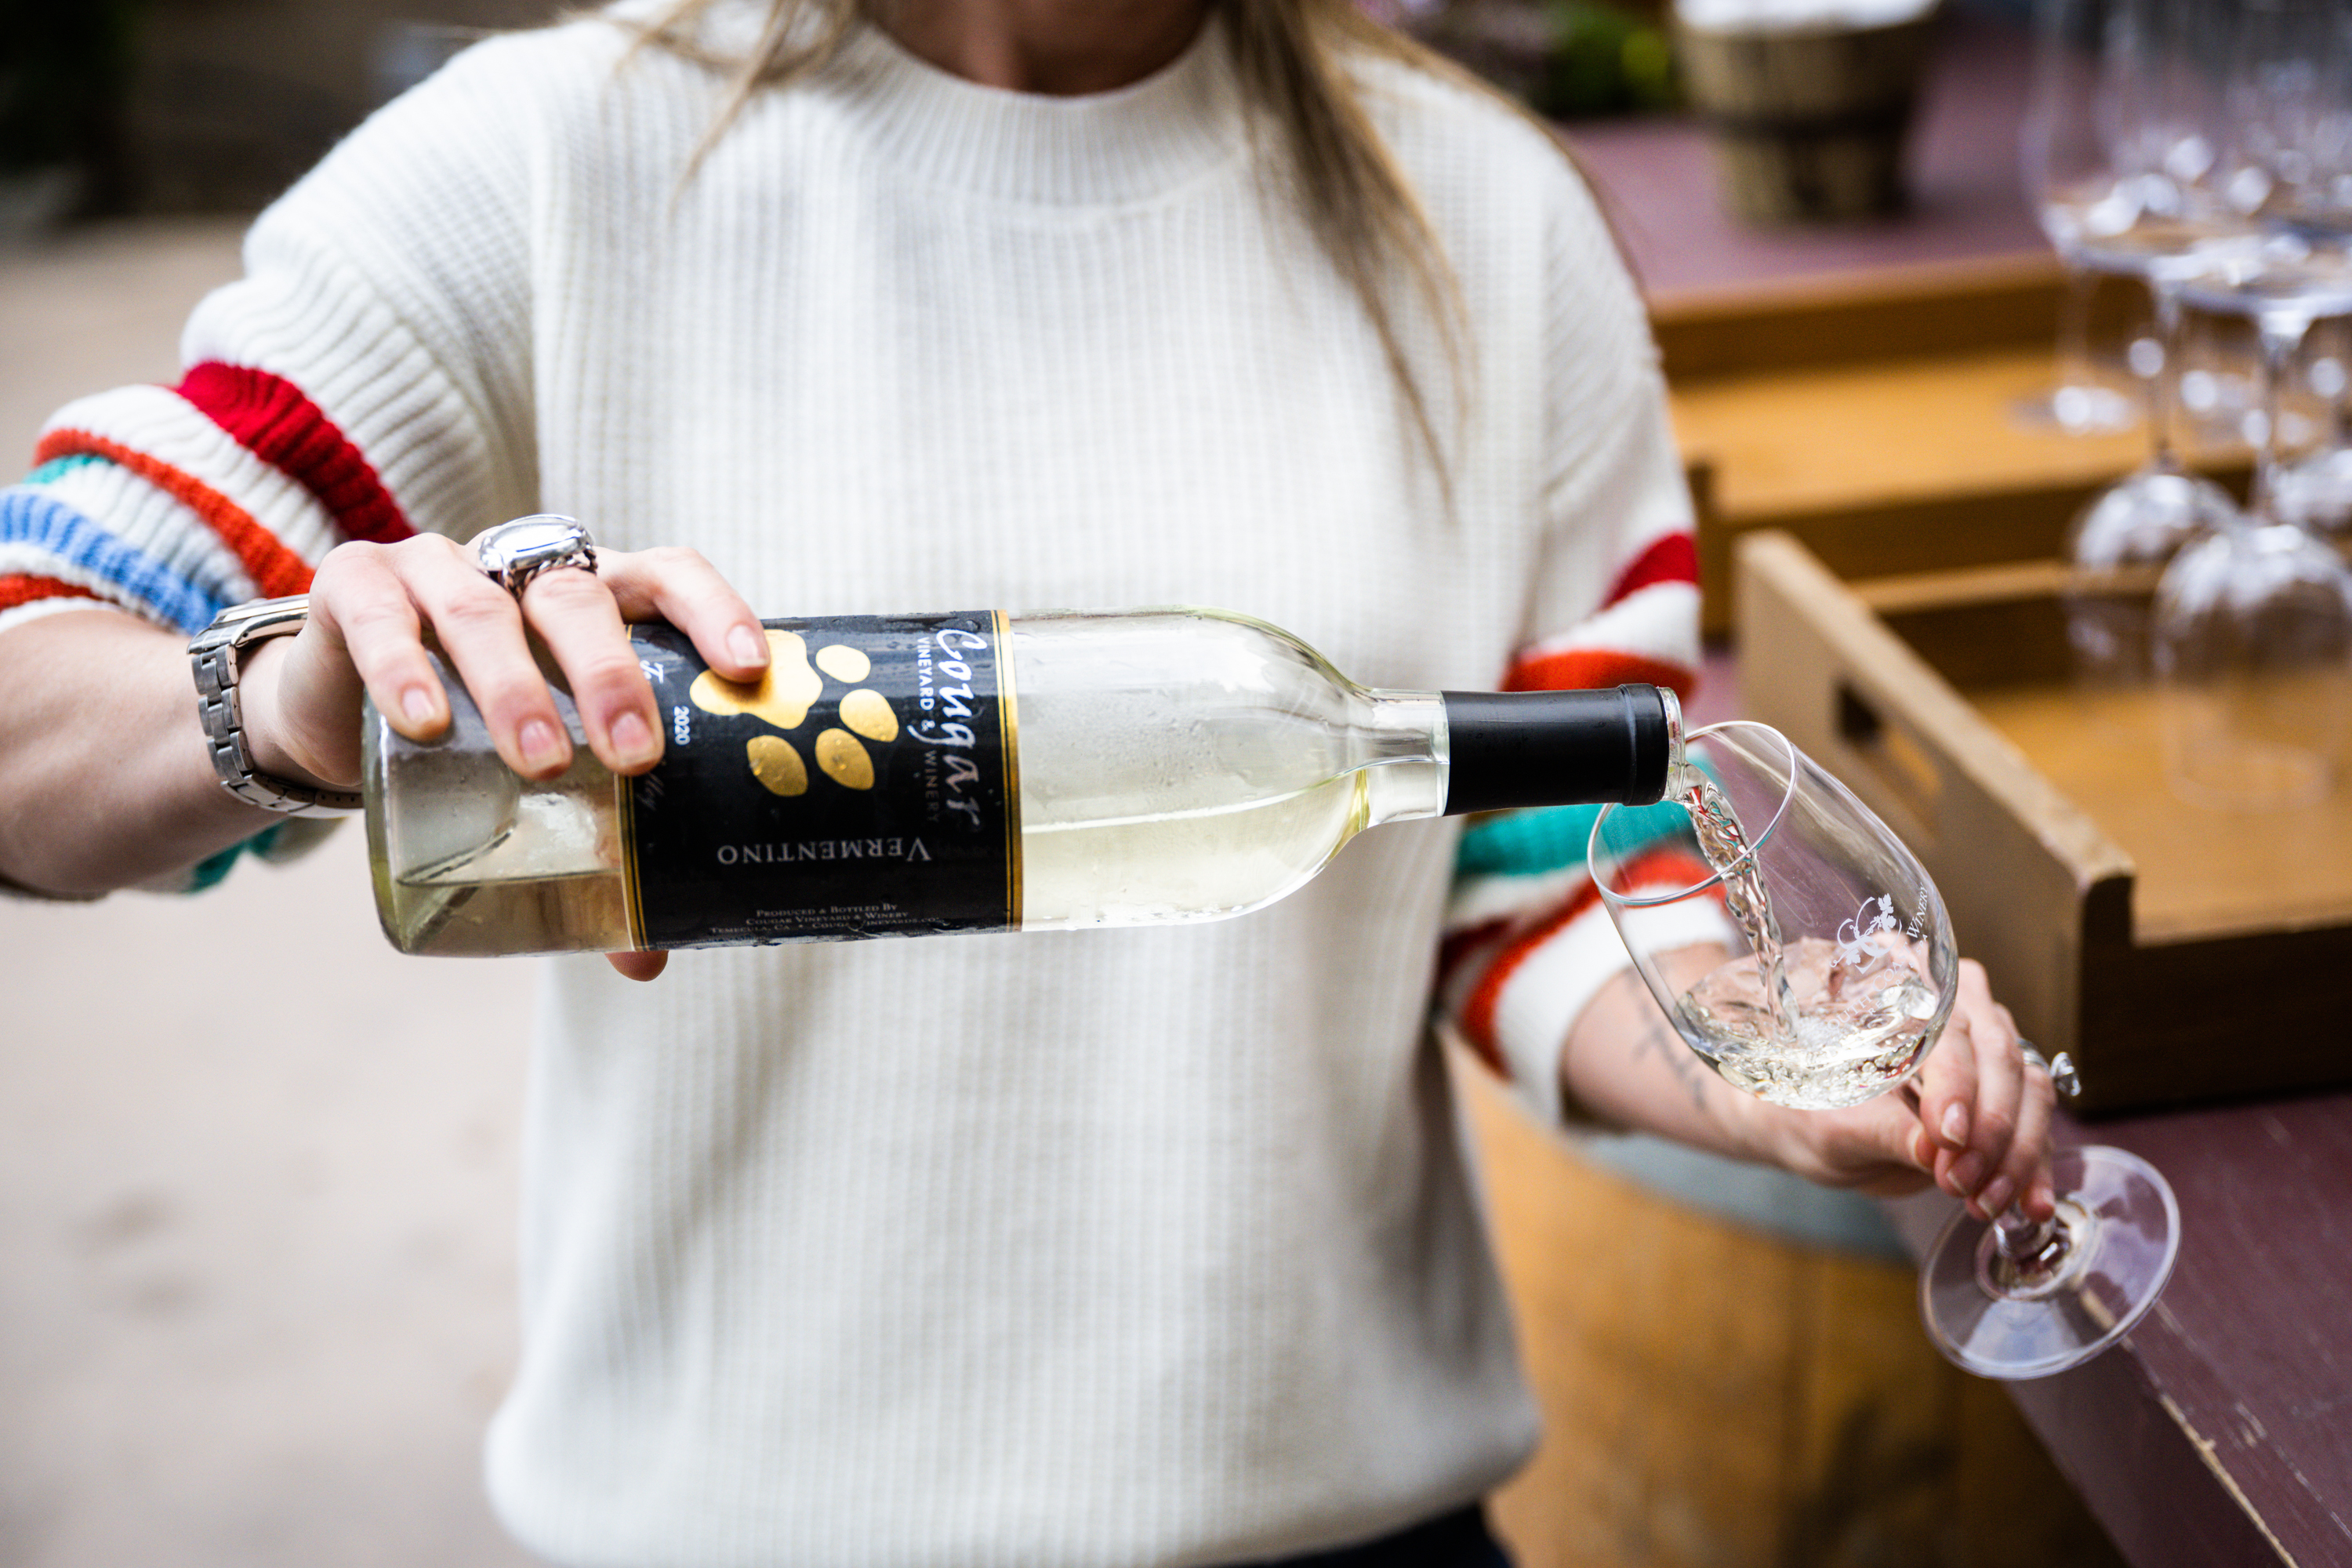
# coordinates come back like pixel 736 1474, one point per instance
pixel 783 697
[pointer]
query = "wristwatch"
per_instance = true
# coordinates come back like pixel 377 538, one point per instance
pixel 217 654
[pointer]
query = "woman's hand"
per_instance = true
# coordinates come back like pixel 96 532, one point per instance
pixel 372 606
pixel 1977 1122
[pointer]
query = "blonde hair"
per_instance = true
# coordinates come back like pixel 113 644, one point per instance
pixel 1289 55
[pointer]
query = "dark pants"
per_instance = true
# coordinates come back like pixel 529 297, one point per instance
pixel 1457 1540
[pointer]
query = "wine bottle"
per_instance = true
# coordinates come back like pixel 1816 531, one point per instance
pixel 906 775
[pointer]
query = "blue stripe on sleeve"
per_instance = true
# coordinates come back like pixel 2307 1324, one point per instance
pixel 1526 843
pixel 29 517
pixel 210 872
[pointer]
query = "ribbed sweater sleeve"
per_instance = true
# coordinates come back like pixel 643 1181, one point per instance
pixel 1527 942
pixel 368 377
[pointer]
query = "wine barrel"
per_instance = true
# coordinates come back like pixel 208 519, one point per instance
pixel 1809 122
pixel 1725 1394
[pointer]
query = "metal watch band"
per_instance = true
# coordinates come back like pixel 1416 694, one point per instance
pixel 217 654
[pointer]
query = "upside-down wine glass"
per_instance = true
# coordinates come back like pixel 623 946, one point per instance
pixel 2120 154
pixel 2253 626
pixel 2134 166
pixel 1840 975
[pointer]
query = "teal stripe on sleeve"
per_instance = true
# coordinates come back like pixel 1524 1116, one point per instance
pixel 214 869
pixel 1532 842
pixel 58 468
pixel 1526 843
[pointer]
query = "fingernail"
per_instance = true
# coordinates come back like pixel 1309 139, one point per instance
pixel 542 747
pixel 748 646
pixel 1956 1125
pixel 1966 1171
pixel 633 739
pixel 1995 1196
pixel 418 706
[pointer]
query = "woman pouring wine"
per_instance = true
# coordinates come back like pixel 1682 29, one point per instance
pixel 1151 1246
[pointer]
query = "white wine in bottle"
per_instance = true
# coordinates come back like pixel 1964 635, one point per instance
pixel 906 775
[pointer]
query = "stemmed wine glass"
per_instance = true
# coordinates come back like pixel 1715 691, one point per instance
pixel 2253 626
pixel 2280 122
pixel 2118 152
pixel 2055 142
pixel 1839 976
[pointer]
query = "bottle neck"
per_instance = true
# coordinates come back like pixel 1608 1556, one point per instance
pixel 1399 738
pixel 1507 749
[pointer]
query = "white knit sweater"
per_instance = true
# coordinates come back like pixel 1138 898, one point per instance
pixel 1136 1247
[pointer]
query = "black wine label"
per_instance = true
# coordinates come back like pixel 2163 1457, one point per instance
pixel 864 787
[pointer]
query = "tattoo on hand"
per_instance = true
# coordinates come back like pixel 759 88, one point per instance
pixel 1659 1038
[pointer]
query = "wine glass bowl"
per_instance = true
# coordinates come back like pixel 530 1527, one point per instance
pixel 2316 489
pixel 2136 525
pixel 2316 492
pixel 2252 648
pixel 1843 969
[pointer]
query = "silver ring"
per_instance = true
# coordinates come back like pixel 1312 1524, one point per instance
pixel 512 554
pixel 2060 1068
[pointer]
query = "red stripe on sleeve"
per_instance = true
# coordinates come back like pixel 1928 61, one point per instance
pixel 271 417
pixel 1583 669
pixel 18 588
pixel 1478 1007
pixel 1659 870
pixel 1457 947
pixel 275 570
pixel 1673 558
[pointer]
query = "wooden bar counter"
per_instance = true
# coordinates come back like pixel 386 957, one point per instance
pixel 2220 1431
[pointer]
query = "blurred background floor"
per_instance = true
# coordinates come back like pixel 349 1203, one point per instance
pixel 257 1170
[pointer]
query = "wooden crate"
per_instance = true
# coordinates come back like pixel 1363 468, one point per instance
pixel 1925 310
pixel 1871 415
pixel 2181 953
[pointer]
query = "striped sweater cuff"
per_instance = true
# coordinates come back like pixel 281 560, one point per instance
pixel 175 502
pixel 1646 628
pixel 150 555
pixel 1537 987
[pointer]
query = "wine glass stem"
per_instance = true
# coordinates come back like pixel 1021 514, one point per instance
pixel 2028 1258
pixel 2281 334
pixel 2020 1237
pixel 2075 326
pixel 2165 299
